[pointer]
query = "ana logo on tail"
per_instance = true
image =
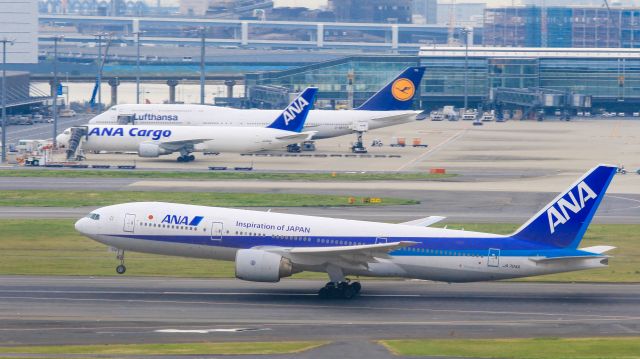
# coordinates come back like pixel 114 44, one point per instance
pixel 558 214
pixel 294 109
pixel 403 89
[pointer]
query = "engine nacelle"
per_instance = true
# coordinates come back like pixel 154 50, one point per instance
pixel 151 150
pixel 261 266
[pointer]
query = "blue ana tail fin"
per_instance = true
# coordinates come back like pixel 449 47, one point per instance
pixel 294 116
pixel 397 94
pixel 562 222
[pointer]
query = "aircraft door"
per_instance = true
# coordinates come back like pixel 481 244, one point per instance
pixel 129 222
pixel 493 258
pixel 216 231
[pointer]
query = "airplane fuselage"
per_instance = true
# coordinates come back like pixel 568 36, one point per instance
pixel 218 233
pixel 214 139
pixel 326 123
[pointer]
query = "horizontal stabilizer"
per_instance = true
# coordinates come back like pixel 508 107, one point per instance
pixel 597 249
pixel 424 222
pixel 561 259
pixel 302 136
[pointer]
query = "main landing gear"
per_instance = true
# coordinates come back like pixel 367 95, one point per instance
pixel 340 290
pixel 121 268
pixel 339 286
pixel 185 154
pixel 186 158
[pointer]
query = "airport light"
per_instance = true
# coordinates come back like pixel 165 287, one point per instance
pixel 466 32
pixel 4 97
pixel 138 33
pixel 55 88
pixel 99 37
pixel 202 43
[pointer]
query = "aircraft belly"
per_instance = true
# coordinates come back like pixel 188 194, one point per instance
pixel 463 269
pixel 169 248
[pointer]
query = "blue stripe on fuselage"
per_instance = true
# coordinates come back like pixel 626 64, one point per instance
pixel 508 246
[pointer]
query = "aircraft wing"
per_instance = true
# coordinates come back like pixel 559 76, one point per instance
pixel 177 145
pixel 357 257
pixel 424 222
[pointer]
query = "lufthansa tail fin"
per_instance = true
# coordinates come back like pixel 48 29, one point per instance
pixel 397 94
pixel 563 222
pixel 294 116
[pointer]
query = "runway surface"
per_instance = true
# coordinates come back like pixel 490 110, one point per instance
pixel 76 310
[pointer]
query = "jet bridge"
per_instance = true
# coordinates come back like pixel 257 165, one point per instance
pixel 531 100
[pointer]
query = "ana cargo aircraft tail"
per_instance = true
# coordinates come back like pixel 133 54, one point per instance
pixel 293 117
pixel 397 94
pixel 267 246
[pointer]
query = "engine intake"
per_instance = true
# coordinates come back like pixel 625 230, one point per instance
pixel 261 266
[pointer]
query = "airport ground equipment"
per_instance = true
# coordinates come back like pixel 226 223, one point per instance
pixel 77 135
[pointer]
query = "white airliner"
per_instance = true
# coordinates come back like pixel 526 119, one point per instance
pixel 267 246
pixel 154 141
pixel 389 106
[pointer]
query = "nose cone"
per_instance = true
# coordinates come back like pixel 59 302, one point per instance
pixel 84 226
pixel 61 140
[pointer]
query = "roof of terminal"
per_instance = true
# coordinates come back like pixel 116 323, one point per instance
pixel 529 52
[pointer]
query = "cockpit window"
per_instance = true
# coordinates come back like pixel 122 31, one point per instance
pixel 93 216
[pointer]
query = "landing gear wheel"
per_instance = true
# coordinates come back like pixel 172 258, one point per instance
pixel 121 269
pixel 356 286
pixel 348 292
pixel 181 159
pixel 191 157
pixel 341 290
pixel 324 293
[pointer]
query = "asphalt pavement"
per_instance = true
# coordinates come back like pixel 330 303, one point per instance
pixel 83 310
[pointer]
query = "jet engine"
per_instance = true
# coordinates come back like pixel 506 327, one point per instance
pixel 261 266
pixel 151 150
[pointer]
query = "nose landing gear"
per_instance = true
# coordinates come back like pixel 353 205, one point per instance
pixel 121 268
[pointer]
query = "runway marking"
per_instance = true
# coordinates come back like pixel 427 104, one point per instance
pixel 208 331
pixel 627 199
pixel 236 304
pixel 433 149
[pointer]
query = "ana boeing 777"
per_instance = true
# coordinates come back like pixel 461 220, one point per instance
pixel 267 246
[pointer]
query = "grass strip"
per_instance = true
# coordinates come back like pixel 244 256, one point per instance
pixel 53 247
pixel 531 348
pixel 221 175
pixel 46 198
pixel 226 348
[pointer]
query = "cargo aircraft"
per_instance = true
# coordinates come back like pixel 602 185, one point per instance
pixel 267 246
pixel 392 105
pixel 157 140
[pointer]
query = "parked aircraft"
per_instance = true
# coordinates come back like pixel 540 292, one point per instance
pixel 157 140
pixel 267 246
pixel 392 105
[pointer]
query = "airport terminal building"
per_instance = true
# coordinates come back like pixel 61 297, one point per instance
pixel 609 77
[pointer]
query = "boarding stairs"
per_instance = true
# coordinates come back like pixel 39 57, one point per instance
pixel 78 135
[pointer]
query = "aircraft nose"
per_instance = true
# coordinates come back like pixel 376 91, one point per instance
pixel 61 140
pixel 83 226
